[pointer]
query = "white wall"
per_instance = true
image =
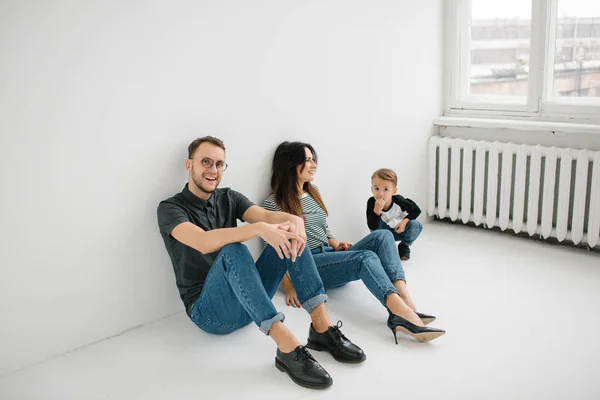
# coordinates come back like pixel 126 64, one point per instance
pixel 98 101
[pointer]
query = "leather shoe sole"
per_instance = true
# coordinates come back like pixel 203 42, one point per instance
pixel 310 385
pixel 319 347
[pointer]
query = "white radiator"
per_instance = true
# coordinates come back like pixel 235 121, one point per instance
pixel 547 191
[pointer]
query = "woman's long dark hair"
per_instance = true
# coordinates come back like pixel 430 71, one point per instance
pixel 284 178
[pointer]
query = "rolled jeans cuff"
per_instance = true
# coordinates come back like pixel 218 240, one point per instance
pixel 314 302
pixel 385 297
pixel 266 325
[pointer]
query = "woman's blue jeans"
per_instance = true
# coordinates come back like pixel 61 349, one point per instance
pixel 237 291
pixel 374 260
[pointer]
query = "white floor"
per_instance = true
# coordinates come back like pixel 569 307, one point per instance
pixel 522 319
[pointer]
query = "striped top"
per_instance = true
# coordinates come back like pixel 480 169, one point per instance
pixel 315 220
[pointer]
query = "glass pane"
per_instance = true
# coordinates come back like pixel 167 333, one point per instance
pixel 500 42
pixel 577 56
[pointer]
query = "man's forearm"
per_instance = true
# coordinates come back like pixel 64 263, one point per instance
pixel 278 217
pixel 214 240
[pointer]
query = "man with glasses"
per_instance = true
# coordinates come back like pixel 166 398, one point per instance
pixel 219 283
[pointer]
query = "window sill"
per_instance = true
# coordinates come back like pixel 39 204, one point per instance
pixel 518 125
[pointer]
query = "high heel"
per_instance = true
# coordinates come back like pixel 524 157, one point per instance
pixel 420 333
pixel 427 319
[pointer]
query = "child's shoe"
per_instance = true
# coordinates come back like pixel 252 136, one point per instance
pixel 403 251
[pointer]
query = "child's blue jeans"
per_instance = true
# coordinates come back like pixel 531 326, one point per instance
pixel 410 234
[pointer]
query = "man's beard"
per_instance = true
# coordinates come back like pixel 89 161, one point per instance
pixel 198 183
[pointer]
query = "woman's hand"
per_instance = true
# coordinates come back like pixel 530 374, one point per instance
pixel 291 298
pixel 279 237
pixel 401 227
pixel 336 245
pixel 343 246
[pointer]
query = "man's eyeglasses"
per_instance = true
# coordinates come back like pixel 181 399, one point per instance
pixel 208 163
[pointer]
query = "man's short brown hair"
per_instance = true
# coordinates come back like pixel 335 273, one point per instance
pixel 386 174
pixel 210 139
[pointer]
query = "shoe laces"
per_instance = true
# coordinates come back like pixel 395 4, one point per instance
pixel 302 354
pixel 336 330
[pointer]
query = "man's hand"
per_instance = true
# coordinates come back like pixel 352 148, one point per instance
pixel 401 227
pixel 379 203
pixel 279 236
pixel 343 246
pixel 291 298
pixel 296 225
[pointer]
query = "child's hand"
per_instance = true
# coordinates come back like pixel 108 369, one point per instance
pixel 379 203
pixel 401 227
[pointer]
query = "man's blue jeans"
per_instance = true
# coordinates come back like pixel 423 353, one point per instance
pixel 237 291
pixel 410 234
pixel 374 260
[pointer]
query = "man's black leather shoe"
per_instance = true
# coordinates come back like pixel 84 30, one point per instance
pixel 303 368
pixel 334 341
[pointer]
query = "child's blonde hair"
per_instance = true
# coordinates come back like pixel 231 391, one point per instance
pixel 386 174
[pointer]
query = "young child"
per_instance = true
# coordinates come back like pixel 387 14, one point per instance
pixel 388 210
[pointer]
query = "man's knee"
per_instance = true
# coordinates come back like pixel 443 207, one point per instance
pixel 239 248
pixel 304 263
pixel 237 253
pixel 306 256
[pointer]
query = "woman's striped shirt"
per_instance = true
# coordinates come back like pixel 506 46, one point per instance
pixel 315 220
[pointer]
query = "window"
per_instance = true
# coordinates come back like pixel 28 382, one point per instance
pixel 577 51
pixel 530 59
pixel 500 50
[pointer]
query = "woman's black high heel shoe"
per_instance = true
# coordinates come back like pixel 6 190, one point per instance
pixel 420 333
pixel 427 319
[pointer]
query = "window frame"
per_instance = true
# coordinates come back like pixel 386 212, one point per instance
pixel 539 105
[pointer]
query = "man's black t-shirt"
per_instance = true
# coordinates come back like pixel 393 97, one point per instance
pixel 222 210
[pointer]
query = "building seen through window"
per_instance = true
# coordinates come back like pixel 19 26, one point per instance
pixel 500 49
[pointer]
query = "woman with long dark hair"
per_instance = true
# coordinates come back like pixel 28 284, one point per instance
pixel 374 259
